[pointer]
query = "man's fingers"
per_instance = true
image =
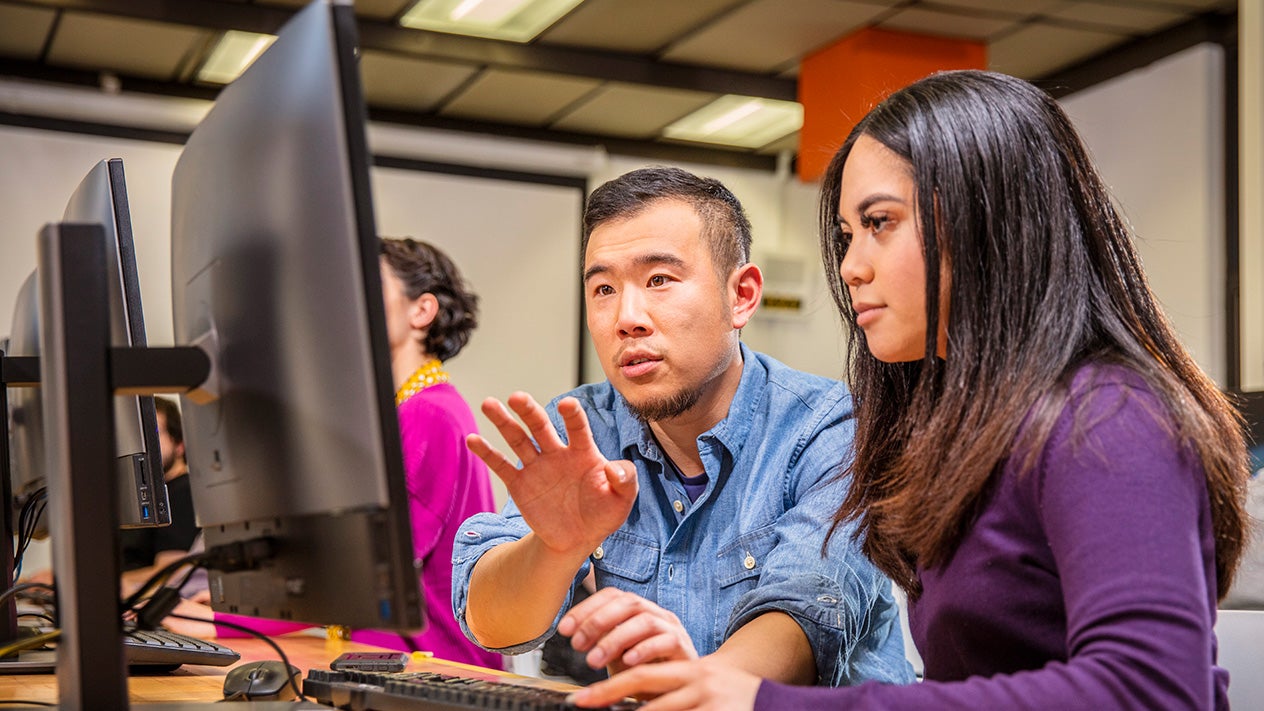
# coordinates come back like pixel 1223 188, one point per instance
pixel 537 421
pixel 581 611
pixel 621 475
pixel 514 433
pixel 578 432
pixel 492 457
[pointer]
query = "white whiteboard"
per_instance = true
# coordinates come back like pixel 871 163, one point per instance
pixel 516 242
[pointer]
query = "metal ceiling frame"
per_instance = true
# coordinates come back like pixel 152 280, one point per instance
pixel 378 35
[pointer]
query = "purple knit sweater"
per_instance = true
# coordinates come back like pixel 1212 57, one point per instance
pixel 1088 582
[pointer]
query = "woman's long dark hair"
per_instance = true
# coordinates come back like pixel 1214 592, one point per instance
pixel 1044 278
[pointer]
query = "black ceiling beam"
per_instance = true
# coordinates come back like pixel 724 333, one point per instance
pixel 649 149
pixel 388 37
pixel 606 66
pixel 1209 27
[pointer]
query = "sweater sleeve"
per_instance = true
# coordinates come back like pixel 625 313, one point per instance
pixel 1127 519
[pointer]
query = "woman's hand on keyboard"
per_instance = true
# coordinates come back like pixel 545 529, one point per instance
pixel 707 684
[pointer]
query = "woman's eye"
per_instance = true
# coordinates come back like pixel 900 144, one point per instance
pixel 875 223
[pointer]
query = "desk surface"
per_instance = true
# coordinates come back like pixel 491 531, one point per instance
pixel 203 683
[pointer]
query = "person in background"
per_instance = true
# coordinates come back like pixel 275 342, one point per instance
pixel 144 551
pixel 697 481
pixel 1039 462
pixel 148 550
pixel 430 314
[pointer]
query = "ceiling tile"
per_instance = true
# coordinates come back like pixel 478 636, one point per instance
pixel 631 111
pixel 140 48
pixel 768 35
pixel 948 24
pixel 1039 49
pixel 639 27
pixel 395 82
pixel 373 9
pixel 23 29
pixel 1130 19
pixel 525 98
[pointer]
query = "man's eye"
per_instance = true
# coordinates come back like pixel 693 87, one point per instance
pixel 658 280
pixel 603 290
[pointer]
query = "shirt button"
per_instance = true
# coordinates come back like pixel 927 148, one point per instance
pixel 599 553
pixel 749 563
pixel 678 506
pixel 671 571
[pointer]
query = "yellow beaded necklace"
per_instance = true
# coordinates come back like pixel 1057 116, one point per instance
pixel 430 373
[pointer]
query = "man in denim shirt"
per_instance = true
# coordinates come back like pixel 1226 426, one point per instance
pixel 698 482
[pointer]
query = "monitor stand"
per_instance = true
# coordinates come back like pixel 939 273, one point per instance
pixel 79 374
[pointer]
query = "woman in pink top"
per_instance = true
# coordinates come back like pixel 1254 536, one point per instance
pixel 430 313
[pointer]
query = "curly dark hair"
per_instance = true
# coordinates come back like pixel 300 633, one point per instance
pixel 425 270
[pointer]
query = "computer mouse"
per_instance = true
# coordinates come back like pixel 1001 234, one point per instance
pixel 268 680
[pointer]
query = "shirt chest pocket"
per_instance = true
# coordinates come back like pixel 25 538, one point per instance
pixel 626 556
pixel 744 558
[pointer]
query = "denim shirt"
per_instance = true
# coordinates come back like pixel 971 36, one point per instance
pixel 751 543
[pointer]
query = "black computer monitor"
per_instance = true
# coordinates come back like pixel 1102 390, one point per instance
pixel 101 198
pixel 275 274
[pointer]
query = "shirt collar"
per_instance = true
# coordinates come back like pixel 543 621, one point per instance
pixel 635 436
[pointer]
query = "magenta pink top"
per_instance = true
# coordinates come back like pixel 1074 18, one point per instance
pixel 446 485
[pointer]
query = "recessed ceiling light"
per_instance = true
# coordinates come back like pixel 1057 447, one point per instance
pixel 513 20
pixel 236 51
pixel 743 121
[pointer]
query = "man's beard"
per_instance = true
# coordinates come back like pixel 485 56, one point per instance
pixel 666 408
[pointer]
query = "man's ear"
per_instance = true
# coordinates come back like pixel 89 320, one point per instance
pixel 423 311
pixel 746 286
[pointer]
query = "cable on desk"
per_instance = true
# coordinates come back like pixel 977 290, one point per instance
pixel 254 633
pixel 25 702
pixel 28 521
pixel 24 586
pixel 160 578
pixel 38 640
pixel 40 615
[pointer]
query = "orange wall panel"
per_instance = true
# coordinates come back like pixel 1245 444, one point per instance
pixel 839 84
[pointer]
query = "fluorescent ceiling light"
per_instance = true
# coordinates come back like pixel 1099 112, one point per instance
pixel 236 51
pixel 513 20
pixel 743 121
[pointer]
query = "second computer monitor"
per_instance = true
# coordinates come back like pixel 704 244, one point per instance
pixel 101 197
pixel 275 274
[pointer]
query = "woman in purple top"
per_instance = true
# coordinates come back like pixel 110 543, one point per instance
pixel 1039 463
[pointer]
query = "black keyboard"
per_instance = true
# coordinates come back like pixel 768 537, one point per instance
pixel 160 650
pixel 428 691
pixel 146 652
